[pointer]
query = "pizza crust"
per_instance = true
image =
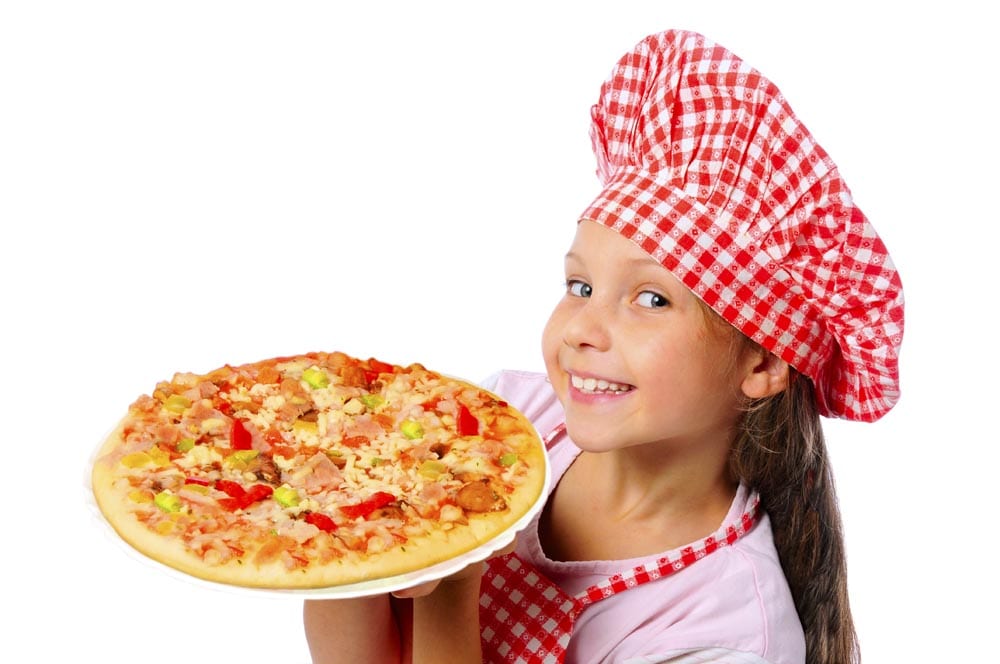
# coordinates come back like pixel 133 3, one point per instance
pixel 351 569
pixel 111 493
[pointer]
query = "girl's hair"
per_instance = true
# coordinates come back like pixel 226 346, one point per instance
pixel 780 452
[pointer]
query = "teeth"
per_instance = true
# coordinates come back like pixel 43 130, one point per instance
pixel 597 385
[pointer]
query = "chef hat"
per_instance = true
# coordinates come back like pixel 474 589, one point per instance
pixel 705 167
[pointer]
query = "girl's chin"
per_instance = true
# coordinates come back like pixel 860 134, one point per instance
pixel 596 437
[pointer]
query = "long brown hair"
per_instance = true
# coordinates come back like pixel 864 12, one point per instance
pixel 780 451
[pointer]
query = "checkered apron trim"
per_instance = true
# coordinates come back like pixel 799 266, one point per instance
pixel 527 619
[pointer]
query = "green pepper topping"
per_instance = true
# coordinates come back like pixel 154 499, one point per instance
pixel 315 378
pixel 240 459
pixel 372 400
pixel 167 502
pixel 411 429
pixel 508 459
pixel 286 496
pixel 242 456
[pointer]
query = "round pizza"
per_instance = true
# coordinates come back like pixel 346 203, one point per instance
pixel 316 470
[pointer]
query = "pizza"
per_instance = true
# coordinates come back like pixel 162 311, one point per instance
pixel 315 470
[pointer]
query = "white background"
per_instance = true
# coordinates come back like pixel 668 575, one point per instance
pixel 187 184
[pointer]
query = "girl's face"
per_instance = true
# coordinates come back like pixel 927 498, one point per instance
pixel 632 354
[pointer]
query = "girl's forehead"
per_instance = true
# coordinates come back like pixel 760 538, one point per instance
pixel 595 238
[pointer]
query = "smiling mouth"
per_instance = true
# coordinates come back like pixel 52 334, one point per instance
pixel 599 386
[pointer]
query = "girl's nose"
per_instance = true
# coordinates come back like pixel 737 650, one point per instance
pixel 588 327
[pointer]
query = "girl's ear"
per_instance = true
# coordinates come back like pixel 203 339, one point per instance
pixel 767 376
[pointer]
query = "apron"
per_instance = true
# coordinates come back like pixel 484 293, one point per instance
pixel 527 619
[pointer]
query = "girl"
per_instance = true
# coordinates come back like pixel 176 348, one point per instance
pixel 722 292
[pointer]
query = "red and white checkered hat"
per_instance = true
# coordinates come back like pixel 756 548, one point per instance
pixel 705 166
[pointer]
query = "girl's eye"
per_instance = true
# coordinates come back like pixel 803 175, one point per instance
pixel 651 300
pixel 578 288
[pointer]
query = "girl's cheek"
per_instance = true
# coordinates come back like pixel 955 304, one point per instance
pixel 552 339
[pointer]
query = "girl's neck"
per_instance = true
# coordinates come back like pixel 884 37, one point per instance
pixel 647 483
pixel 634 502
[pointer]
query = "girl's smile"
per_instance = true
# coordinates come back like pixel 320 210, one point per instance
pixel 592 386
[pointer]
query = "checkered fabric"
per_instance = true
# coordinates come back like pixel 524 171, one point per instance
pixel 705 166
pixel 524 617
pixel 527 619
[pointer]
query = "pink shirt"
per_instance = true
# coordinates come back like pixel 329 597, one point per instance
pixel 733 605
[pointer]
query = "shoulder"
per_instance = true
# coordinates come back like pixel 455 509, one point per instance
pixel 740 601
pixel 765 599
pixel 730 605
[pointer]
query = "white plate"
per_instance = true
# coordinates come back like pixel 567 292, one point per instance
pixel 360 589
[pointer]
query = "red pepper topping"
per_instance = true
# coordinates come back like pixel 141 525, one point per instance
pixel 239 437
pixel 230 488
pixel 258 492
pixel 466 422
pixel 240 498
pixel 321 521
pixel 230 504
pixel 378 366
pixel 197 480
pixel 369 505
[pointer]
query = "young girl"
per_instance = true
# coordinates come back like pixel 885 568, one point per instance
pixel 722 292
